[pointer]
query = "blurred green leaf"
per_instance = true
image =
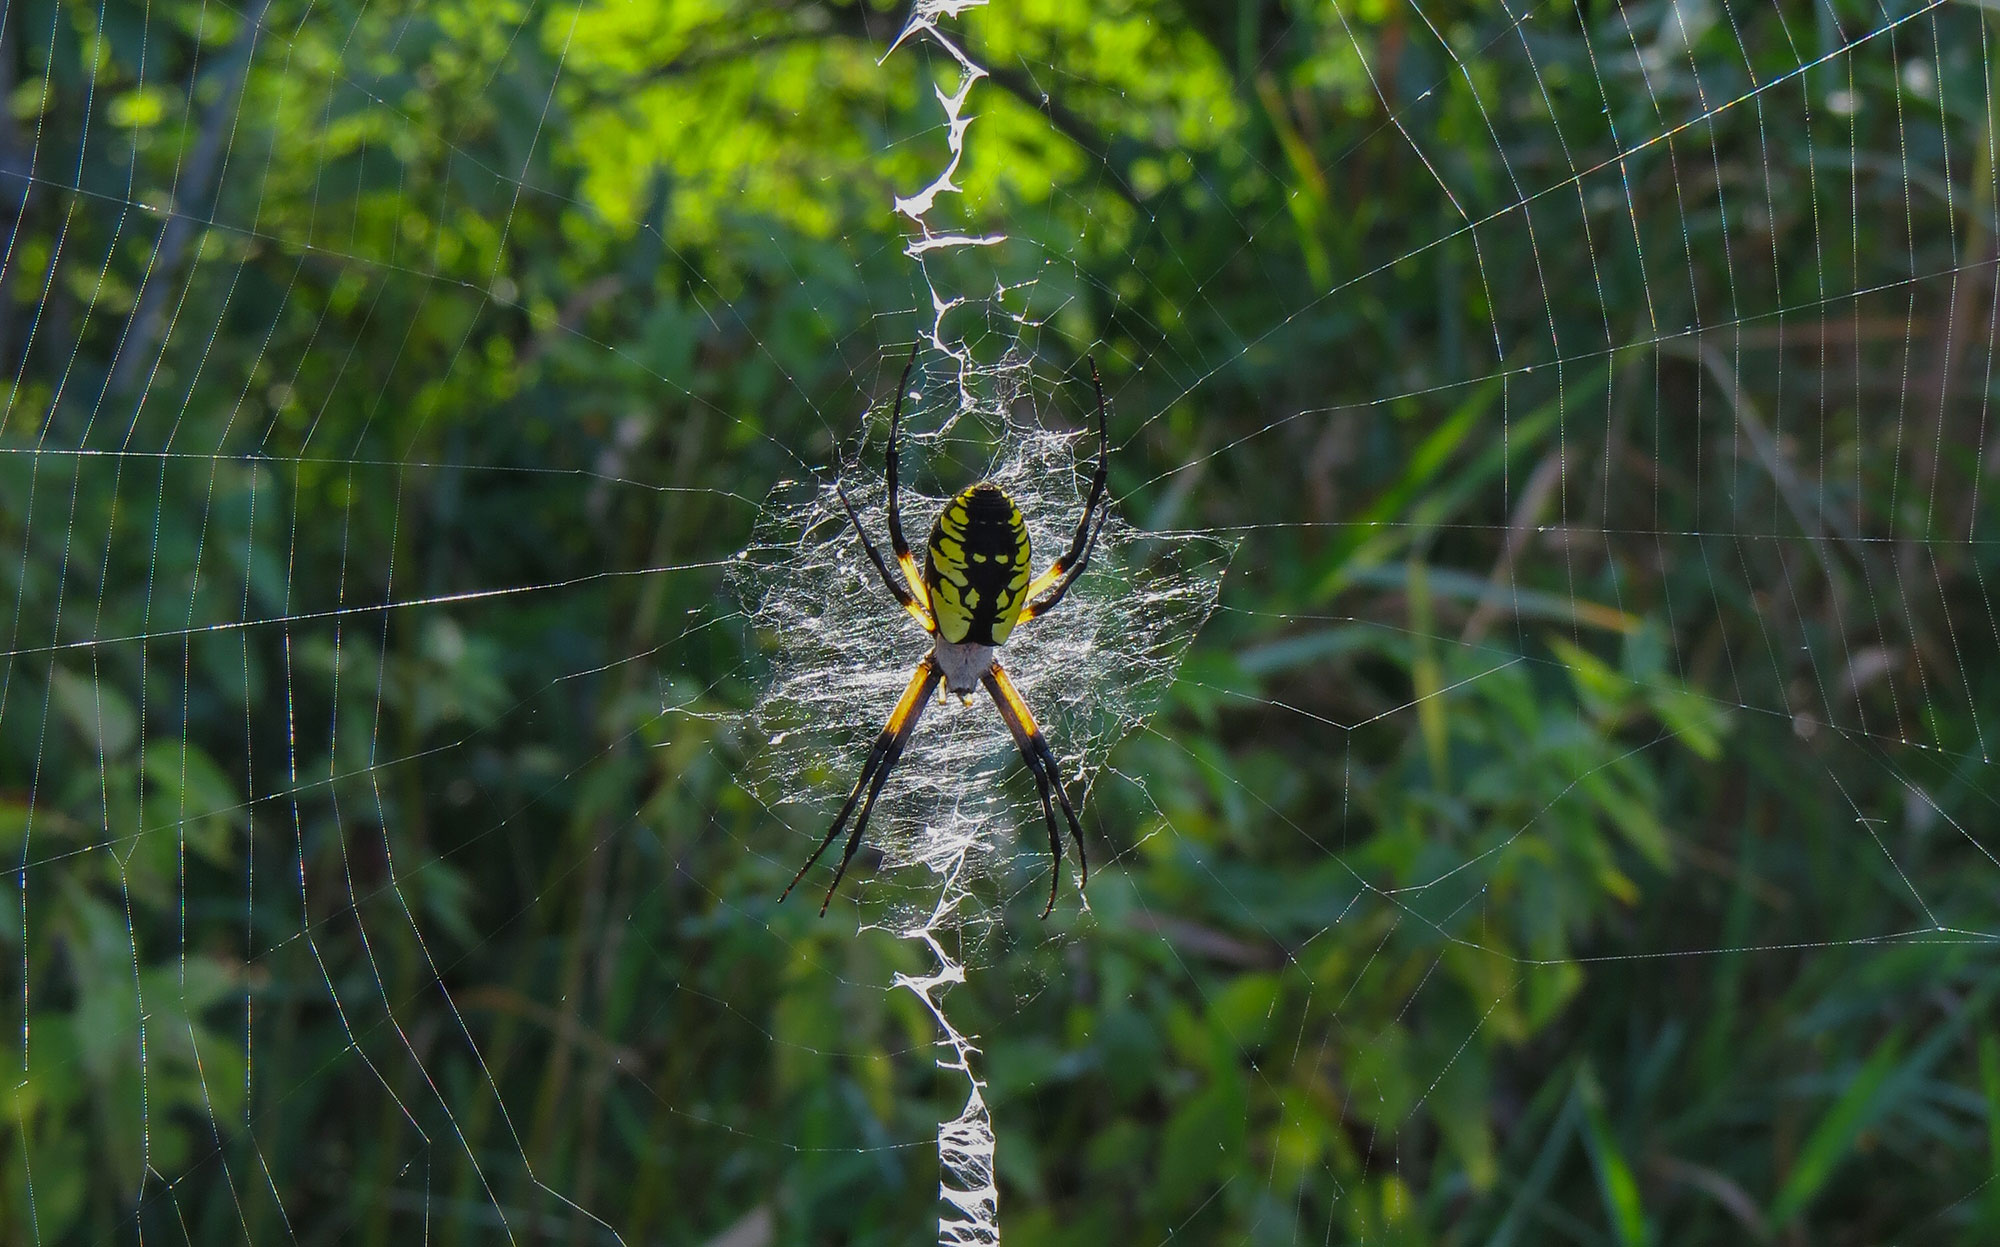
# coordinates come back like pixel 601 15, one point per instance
pixel 1859 1103
pixel 1615 1180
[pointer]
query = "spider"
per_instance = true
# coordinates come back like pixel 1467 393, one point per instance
pixel 973 589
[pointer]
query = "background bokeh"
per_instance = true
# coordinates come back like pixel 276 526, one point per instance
pixel 1575 825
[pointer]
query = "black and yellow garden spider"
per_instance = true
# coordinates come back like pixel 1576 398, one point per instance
pixel 973 590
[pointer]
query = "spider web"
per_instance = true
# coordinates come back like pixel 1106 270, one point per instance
pixel 1093 677
pixel 815 605
pixel 1573 822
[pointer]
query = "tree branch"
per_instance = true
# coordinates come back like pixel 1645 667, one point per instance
pixel 200 174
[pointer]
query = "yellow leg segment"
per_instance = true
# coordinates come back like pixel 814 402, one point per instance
pixel 914 577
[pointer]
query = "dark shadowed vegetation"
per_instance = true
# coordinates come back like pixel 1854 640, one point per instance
pixel 1576 824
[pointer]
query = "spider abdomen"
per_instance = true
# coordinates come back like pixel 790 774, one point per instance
pixel 977 569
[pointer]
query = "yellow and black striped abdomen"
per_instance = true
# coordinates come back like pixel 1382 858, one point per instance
pixel 978 569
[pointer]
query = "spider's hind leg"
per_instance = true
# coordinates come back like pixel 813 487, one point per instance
pixel 1041 763
pixel 1069 811
pixel 882 758
pixel 1055 836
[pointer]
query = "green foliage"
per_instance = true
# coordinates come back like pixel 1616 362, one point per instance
pixel 1570 828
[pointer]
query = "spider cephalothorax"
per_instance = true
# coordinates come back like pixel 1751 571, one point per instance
pixel 973 589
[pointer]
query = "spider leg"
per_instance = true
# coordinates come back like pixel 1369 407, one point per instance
pixel 1063 572
pixel 1069 811
pixel 1042 785
pixel 882 758
pixel 1041 763
pixel 913 576
pixel 1056 575
pixel 1025 742
pixel 902 595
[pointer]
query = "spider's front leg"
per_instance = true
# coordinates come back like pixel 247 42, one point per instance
pixel 902 595
pixel 1063 572
pixel 911 594
pixel 898 545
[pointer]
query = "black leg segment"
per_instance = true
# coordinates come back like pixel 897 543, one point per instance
pixel 1064 571
pixel 902 594
pixel 897 544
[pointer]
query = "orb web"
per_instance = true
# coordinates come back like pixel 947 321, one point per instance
pixel 1576 377
pixel 840 651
